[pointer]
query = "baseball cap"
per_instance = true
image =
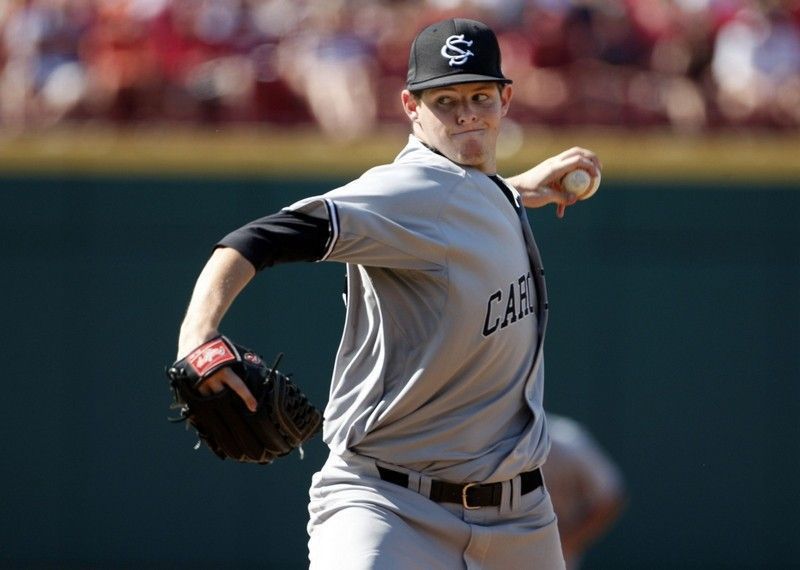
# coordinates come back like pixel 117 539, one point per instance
pixel 454 51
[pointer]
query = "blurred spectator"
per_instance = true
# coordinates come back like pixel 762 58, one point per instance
pixel 119 62
pixel 42 78
pixel 586 487
pixel 756 67
pixel 685 65
pixel 331 64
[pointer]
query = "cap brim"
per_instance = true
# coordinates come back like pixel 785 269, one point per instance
pixel 454 80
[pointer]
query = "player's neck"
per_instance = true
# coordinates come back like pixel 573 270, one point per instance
pixel 432 148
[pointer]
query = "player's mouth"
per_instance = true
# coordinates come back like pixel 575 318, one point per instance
pixel 472 131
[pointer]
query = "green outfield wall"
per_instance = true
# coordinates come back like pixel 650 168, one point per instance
pixel 675 336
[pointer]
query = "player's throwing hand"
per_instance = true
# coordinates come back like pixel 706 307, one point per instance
pixel 541 185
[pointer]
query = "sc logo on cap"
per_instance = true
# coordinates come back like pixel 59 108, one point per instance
pixel 452 51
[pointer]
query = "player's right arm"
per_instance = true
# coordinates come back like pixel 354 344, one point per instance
pixel 224 276
pixel 278 238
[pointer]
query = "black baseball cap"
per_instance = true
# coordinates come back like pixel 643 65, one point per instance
pixel 454 51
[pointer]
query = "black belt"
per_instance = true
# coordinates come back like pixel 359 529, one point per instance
pixel 470 495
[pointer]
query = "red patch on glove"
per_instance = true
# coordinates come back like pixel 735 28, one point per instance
pixel 210 356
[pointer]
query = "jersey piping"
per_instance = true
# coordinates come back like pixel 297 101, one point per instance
pixel 333 228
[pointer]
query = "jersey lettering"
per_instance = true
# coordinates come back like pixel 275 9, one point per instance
pixel 497 295
pixel 523 296
pixel 510 308
pixel 518 304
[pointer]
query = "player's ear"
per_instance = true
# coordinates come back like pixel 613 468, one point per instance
pixel 506 91
pixel 410 104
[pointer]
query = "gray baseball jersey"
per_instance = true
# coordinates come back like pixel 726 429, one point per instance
pixel 440 366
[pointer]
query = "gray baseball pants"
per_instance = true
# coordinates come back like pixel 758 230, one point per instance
pixel 360 522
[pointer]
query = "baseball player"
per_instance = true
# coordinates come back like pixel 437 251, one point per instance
pixel 586 486
pixel 434 420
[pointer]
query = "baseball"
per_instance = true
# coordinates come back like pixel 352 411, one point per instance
pixel 576 181
pixel 580 183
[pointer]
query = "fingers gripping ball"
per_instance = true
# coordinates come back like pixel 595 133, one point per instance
pixel 283 421
pixel 580 183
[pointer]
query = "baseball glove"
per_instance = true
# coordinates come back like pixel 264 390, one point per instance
pixel 284 420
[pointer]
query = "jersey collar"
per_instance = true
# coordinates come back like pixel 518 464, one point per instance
pixel 417 150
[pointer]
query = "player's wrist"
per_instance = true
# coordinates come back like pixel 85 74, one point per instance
pixel 192 337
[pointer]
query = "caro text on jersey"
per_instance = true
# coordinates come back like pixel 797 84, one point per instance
pixel 508 305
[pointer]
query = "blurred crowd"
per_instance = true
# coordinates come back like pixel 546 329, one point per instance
pixel 685 65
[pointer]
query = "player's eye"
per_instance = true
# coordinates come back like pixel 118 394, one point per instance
pixel 444 100
pixel 481 98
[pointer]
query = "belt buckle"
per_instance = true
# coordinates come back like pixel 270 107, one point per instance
pixel 464 501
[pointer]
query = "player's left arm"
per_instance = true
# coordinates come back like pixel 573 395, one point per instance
pixel 541 185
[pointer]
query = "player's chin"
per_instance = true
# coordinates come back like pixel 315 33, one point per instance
pixel 471 155
pixel 465 151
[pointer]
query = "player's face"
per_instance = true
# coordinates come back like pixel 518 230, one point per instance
pixel 461 121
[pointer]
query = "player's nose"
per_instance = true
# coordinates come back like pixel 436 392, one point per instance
pixel 466 114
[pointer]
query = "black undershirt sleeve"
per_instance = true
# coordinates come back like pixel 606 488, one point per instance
pixel 280 238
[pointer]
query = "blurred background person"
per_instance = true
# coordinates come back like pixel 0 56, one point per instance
pixel 586 486
pixel 331 65
pixel 756 67
pixel 42 77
